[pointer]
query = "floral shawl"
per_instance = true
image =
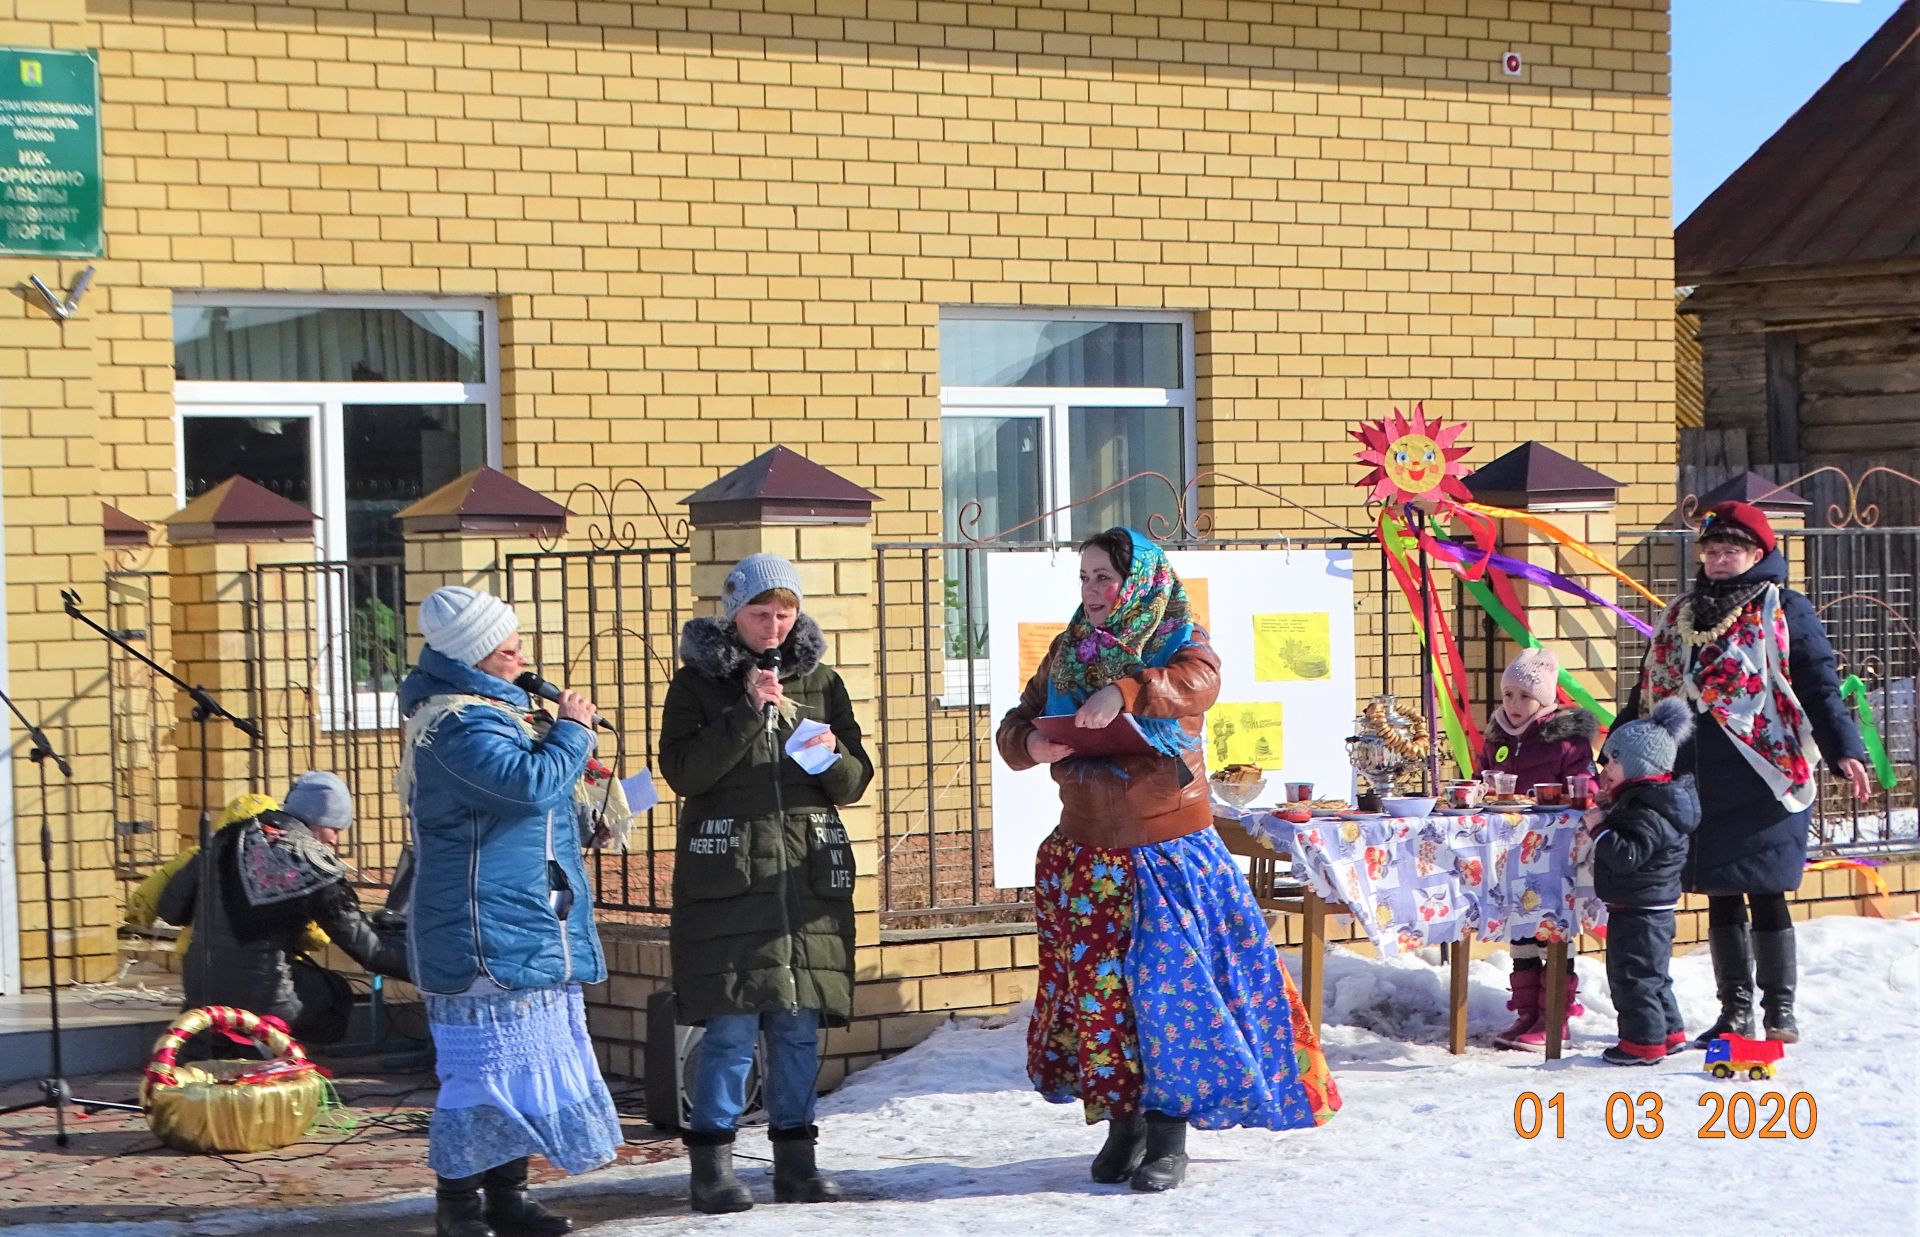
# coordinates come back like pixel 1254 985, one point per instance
pixel 1150 623
pixel 1741 680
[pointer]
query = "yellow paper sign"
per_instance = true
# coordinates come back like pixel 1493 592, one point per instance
pixel 1292 647
pixel 1035 640
pixel 1197 601
pixel 1249 734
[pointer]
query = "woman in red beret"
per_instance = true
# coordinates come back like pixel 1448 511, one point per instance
pixel 1750 654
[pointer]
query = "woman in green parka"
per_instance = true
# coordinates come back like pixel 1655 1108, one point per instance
pixel 762 925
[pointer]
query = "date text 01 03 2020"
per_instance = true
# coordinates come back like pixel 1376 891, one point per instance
pixel 1737 1115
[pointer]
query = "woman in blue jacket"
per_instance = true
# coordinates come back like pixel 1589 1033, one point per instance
pixel 500 924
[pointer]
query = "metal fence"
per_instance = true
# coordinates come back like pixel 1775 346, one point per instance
pixel 936 728
pixel 140 726
pixel 606 622
pixel 1862 583
pixel 327 651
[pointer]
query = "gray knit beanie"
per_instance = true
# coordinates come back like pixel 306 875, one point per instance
pixel 754 575
pixel 465 624
pixel 1647 746
pixel 320 800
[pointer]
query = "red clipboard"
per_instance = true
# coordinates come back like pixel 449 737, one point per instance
pixel 1120 737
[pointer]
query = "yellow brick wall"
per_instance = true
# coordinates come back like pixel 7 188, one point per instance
pixel 712 228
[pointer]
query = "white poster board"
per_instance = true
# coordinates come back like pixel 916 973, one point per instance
pixel 1282 623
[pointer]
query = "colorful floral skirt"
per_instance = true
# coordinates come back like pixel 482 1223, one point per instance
pixel 517 1077
pixel 1160 990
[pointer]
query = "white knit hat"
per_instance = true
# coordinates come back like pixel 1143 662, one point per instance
pixel 466 624
pixel 1536 672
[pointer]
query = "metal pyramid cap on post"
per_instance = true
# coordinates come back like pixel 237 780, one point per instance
pixel 1752 487
pixel 240 510
pixel 485 500
pixel 780 486
pixel 1534 476
pixel 121 529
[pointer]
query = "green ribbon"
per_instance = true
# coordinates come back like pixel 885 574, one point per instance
pixel 1853 689
pixel 1517 631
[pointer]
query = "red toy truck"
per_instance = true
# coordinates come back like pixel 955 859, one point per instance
pixel 1735 1054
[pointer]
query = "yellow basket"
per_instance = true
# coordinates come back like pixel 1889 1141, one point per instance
pixel 230 1105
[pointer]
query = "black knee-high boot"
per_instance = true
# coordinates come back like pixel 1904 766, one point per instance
pixel 713 1186
pixel 1126 1145
pixel 1776 966
pixel 511 1212
pixel 1731 947
pixel 796 1175
pixel 457 1210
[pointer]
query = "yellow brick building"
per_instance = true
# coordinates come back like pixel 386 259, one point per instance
pixel 674 232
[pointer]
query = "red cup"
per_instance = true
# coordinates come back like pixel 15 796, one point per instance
pixel 1582 793
pixel 1549 794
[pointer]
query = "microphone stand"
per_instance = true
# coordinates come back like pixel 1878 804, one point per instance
pixel 55 1092
pixel 205 708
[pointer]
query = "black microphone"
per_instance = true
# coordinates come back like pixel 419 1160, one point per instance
pixel 534 685
pixel 770 660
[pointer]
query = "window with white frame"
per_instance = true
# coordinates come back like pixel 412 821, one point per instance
pixel 352 407
pixel 1042 409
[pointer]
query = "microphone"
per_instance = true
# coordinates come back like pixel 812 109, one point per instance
pixel 770 660
pixel 534 685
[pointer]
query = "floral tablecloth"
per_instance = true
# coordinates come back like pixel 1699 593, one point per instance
pixel 1426 880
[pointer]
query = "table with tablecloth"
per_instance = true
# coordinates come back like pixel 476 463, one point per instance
pixel 1410 882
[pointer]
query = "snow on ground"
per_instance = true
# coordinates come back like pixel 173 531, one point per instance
pixel 948 1139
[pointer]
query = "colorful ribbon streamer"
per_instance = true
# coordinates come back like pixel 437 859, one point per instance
pixel 1853 689
pixel 1395 538
pixel 1573 543
pixel 1536 575
pixel 1865 868
pixel 1517 631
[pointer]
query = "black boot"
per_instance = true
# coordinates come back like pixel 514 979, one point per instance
pixel 1776 966
pixel 1732 951
pixel 796 1179
pixel 457 1210
pixel 713 1186
pixel 1125 1146
pixel 1164 1162
pixel 511 1212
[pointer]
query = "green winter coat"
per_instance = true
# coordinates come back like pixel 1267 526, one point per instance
pixel 762 906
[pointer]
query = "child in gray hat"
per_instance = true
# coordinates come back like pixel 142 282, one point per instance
pixel 1639 847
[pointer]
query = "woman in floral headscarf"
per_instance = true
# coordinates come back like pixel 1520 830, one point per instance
pixel 1161 1002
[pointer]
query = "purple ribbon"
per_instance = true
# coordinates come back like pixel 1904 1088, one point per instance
pixel 1470 554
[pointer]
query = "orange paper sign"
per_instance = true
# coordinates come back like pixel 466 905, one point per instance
pixel 1035 640
pixel 1197 601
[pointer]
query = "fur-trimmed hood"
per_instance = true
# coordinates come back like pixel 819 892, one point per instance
pixel 1572 722
pixel 712 648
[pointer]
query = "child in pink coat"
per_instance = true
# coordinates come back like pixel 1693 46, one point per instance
pixel 1530 736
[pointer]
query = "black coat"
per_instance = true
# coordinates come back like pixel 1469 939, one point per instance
pixel 762 899
pixel 1639 851
pixel 1748 841
pixel 252 954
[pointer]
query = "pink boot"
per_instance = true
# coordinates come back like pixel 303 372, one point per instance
pixel 1525 1004
pixel 1535 1040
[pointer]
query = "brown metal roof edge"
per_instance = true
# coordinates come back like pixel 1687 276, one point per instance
pixel 781 473
pixel 238 503
pixel 121 529
pixel 486 494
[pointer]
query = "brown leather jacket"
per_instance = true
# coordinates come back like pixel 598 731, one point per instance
pixel 1152 803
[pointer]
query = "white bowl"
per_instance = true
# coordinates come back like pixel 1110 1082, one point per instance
pixel 1409 806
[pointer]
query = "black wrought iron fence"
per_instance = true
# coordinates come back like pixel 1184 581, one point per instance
pixel 607 622
pixel 327 649
pixel 936 727
pixel 140 725
pixel 1862 582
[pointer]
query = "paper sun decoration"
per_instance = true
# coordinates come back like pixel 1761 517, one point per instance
pixel 1413 459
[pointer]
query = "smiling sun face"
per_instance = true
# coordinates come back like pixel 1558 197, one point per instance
pixel 1412 459
pixel 1412 463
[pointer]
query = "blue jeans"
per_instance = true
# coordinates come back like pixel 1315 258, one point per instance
pixel 719 1079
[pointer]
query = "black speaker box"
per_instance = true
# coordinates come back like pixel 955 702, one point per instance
pixel 672 1050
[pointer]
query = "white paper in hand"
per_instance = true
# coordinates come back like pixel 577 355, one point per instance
pixel 640 791
pixel 812 759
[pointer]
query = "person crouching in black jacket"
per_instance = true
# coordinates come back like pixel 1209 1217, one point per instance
pixel 1639 847
pixel 275 878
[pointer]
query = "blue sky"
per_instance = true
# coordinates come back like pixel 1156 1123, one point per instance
pixel 1741 67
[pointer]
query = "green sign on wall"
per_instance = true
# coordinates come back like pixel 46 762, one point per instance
pixel 50 182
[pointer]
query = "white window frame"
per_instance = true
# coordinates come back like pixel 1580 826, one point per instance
pixel 324 405
pixel 1052 404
